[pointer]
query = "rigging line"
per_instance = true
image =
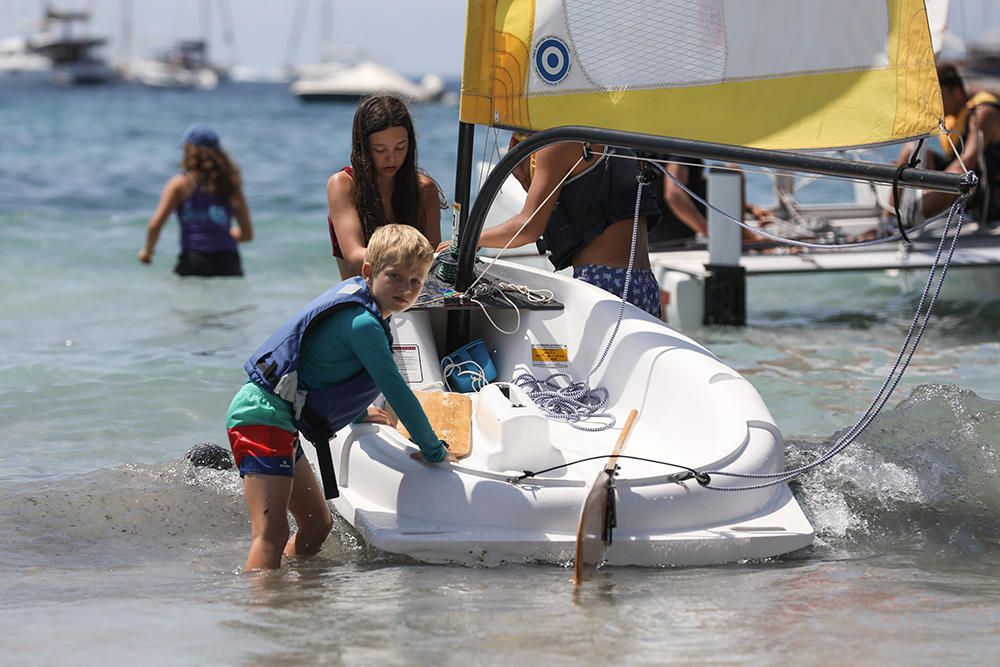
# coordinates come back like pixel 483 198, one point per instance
pixel 881 397
pixel 954 149
pixel 628 280
pixel 482 162
pixel 535 473
pixel 496 326
pixel 895 374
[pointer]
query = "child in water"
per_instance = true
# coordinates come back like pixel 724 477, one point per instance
pixel 206 197
pixel 337 349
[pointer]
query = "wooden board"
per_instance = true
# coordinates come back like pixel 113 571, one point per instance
pixel 450 415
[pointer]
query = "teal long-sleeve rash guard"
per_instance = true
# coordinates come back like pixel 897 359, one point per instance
pixel 351 339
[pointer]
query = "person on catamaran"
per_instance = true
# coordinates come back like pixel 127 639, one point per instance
pixel 973 122
pixel 587 221
pixel 382 185
pixel 682 217
pixel 206 197
pixel 336 350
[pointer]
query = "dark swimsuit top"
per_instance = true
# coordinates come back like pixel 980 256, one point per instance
pixel 337 252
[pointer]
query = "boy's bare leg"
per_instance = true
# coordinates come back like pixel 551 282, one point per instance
pixel 267 499
pixel 308 506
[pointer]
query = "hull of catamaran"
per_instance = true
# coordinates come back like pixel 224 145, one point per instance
pixel 693 410
pixel 973 275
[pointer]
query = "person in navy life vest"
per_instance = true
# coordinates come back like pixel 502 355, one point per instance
pixel 382 185
pixel 207 196
pixel 316 374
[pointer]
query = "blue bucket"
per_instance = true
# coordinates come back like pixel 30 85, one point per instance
pixel 469 368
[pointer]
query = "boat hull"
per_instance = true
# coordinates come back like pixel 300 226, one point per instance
pixel 693 411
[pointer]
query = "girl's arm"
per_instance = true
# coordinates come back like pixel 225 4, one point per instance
pixel 430 209
pixel 680 203
pixel 243 232
pixel 170 198
pixel 346 222
pixel 551 166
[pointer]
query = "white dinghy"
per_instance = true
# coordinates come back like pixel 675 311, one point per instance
pixel 675 453
pixel 691 408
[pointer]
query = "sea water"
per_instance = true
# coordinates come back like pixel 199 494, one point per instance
pixel 114 549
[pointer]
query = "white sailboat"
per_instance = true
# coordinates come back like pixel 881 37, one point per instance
pixel 184 65
pixel 702 477
pixel 346 81
pixel 348 75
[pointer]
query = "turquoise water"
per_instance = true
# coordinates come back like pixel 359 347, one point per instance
pixel 115 549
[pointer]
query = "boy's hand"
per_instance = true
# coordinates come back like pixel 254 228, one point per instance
pixel 449 457
pixel 379 416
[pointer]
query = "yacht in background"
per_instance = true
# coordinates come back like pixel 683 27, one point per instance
pixel 56 53
pixel 348 74
pixel 184 65
pixel 350 82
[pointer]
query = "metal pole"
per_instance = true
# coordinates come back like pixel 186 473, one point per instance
pixel 457 330
pixel 725 285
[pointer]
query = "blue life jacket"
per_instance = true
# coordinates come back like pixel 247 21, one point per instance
pixel 591 201
pixel 321 411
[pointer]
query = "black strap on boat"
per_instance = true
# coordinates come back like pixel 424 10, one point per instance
pixel 914 161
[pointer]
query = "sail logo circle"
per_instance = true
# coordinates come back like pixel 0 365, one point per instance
pixel 552 60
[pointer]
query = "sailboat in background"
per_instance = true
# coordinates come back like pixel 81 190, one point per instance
pixel 184 64
pixel 347 74
pixel 56 53
pixel 703 478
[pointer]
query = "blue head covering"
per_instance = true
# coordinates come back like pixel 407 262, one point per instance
pixel 202 135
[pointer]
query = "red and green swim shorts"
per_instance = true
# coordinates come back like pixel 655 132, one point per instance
pixel 264 450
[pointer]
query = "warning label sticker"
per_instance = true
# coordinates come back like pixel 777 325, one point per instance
pixel 549 355
pixel 407 359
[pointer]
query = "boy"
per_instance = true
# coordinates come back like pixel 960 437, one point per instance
pixel 316 374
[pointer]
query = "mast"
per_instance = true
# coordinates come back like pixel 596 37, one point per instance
pixel 458 321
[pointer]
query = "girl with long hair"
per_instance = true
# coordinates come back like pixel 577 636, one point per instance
pixel 207 196
pixel 382 186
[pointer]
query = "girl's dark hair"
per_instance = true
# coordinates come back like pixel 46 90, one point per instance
pixel 213 170
pixel 375 114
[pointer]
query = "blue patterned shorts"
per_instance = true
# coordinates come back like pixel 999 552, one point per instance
pixel 643 290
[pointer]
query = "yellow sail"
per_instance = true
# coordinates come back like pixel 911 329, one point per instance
pixel 778 74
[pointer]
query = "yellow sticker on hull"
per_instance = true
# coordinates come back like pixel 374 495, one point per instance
pixel 549 355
